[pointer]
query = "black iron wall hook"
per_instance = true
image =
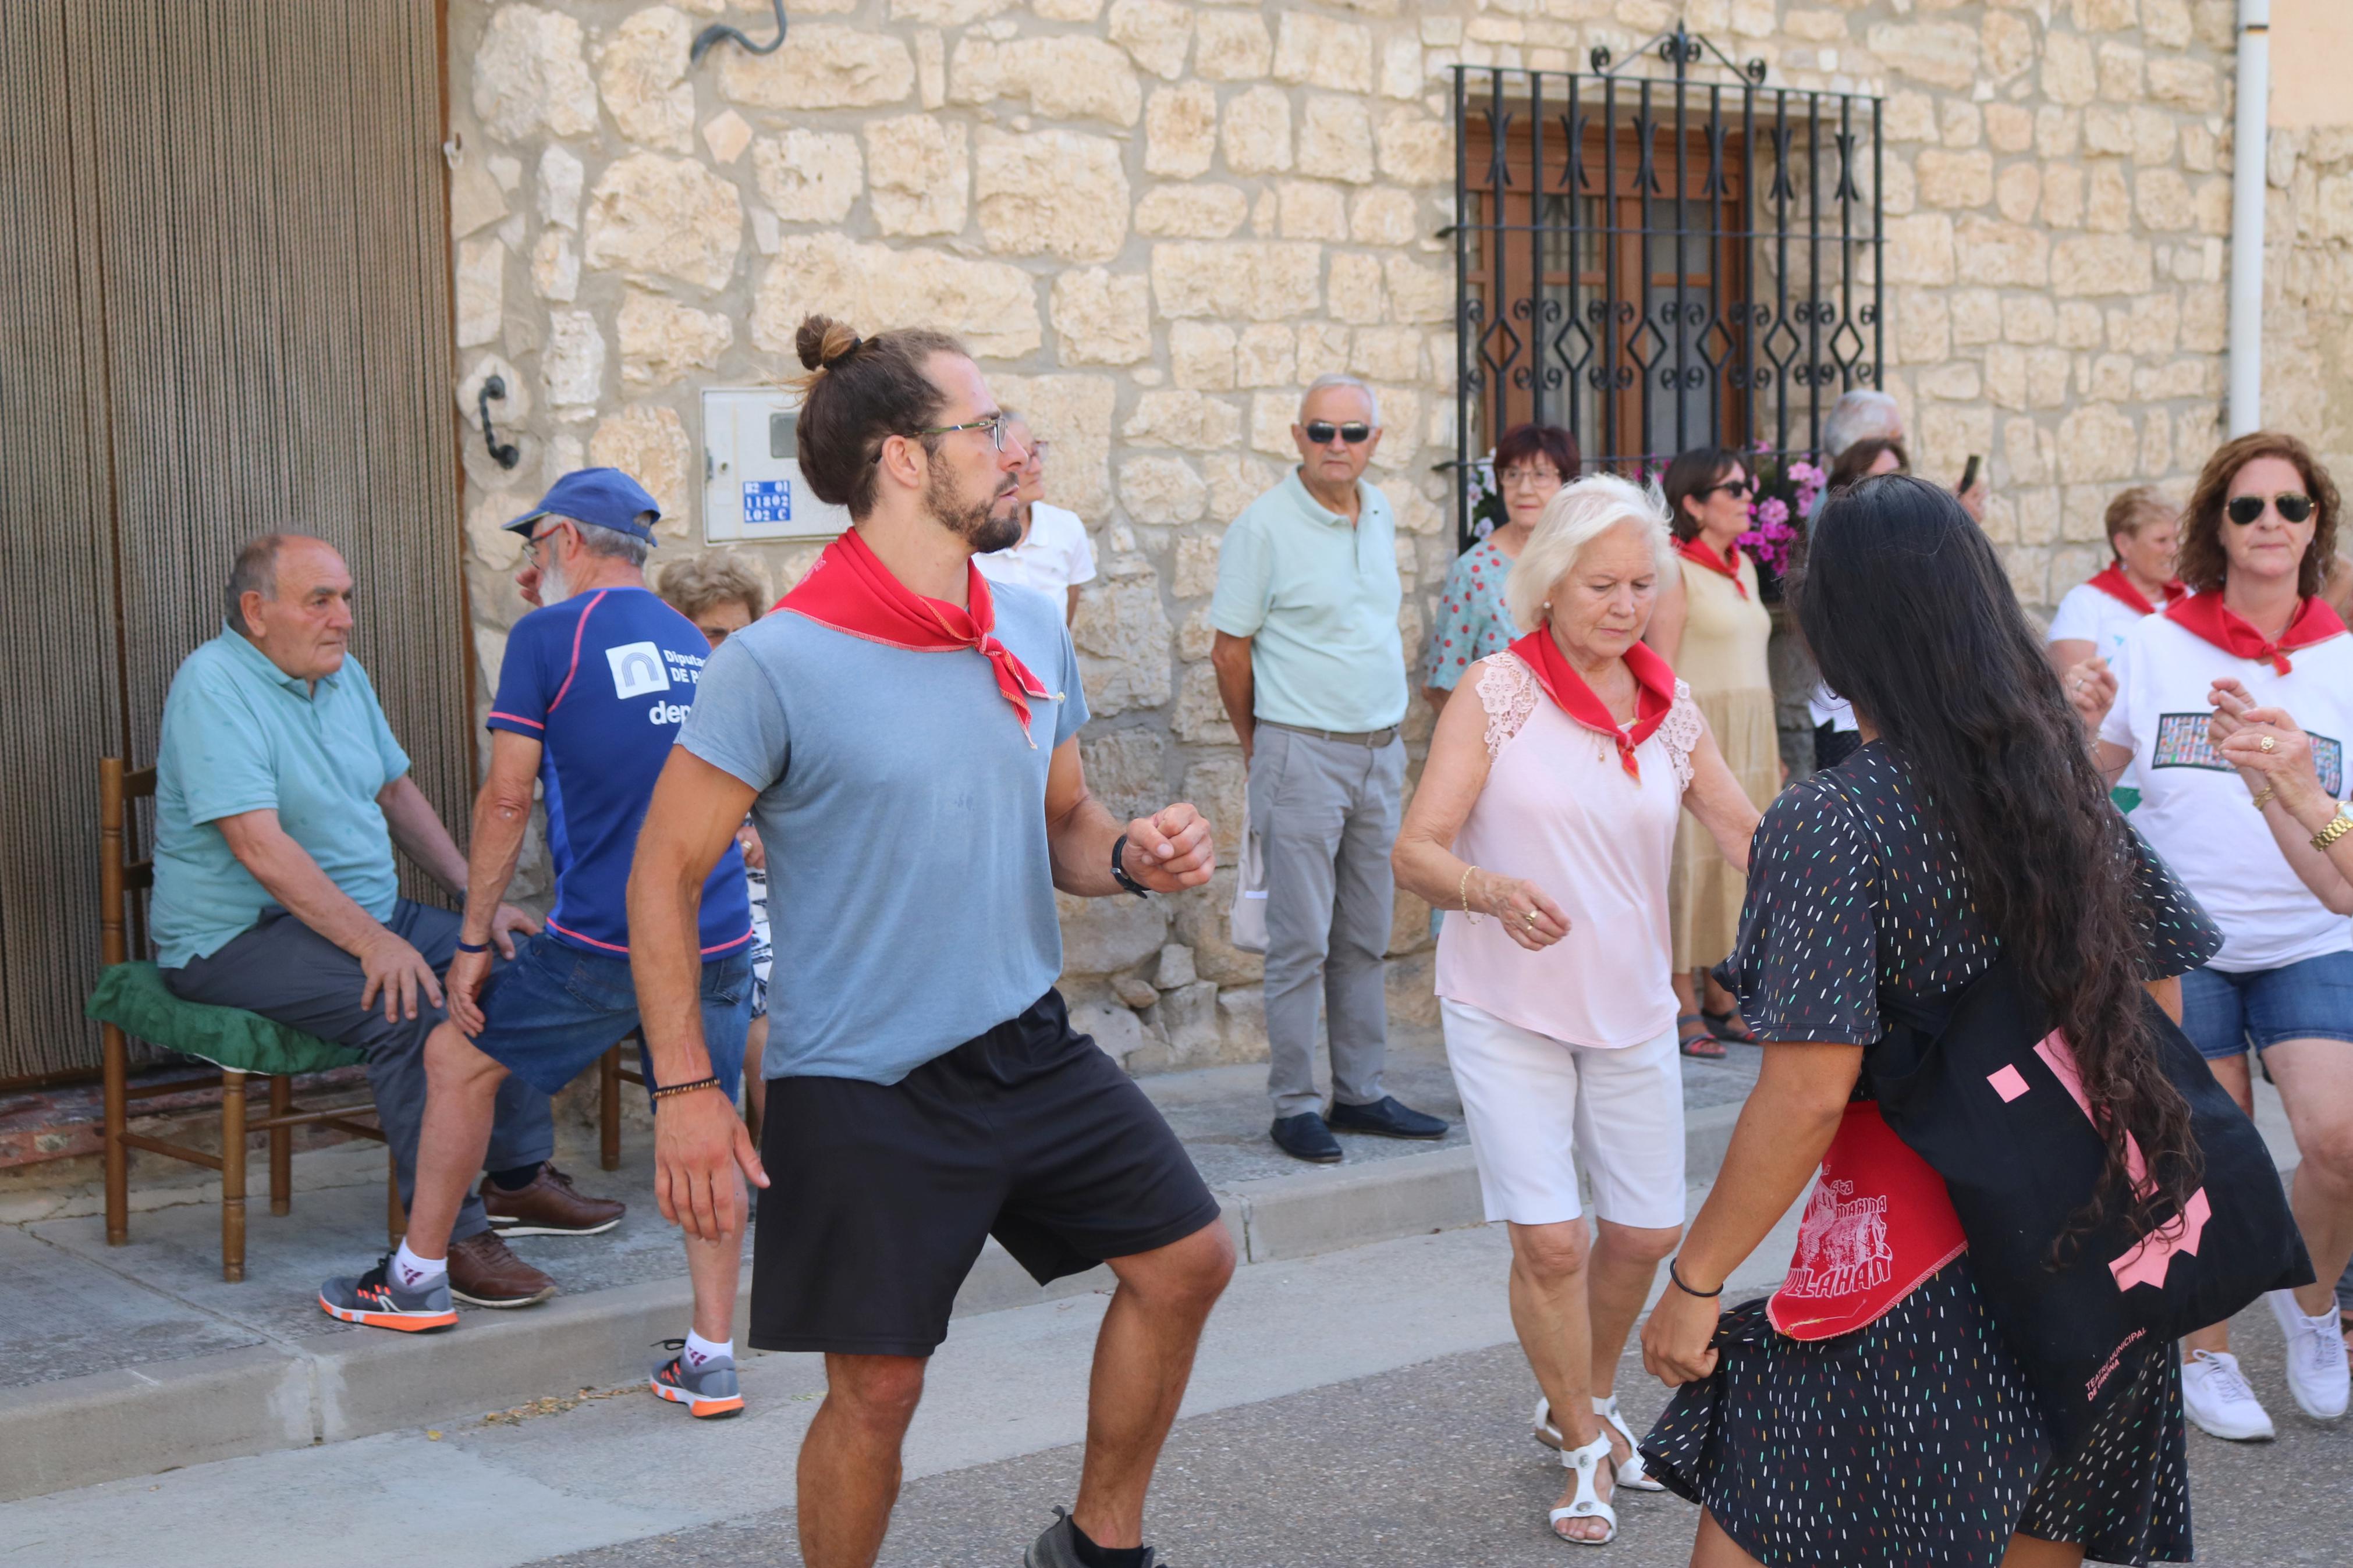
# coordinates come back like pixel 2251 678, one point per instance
pixel 506 454
pixel 719 32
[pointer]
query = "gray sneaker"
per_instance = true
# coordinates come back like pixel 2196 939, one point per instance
pixel 708 1390
pixel 373 1300
pixel 1056 1549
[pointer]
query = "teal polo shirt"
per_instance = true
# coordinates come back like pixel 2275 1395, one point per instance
pixel 240 734
pixel 1318 596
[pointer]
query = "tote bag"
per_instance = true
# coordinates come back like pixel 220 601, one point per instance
pixel 1249 920
pixel 1987 1092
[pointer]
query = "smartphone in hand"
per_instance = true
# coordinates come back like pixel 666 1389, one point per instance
pixel 1968 476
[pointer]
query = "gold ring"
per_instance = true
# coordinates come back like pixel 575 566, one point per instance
pixel 2267 744
pixel 1529 916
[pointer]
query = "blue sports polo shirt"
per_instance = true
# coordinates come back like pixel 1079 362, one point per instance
pixel 240 734
pixel 603 680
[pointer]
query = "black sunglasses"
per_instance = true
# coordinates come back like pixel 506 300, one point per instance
pixel 2244 510
pixel 1321 433
pixel 1730 487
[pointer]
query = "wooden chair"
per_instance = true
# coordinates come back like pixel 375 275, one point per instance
pixel 610 1076
pixel 132 1000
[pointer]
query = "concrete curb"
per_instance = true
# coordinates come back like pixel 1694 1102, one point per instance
pixel 261 1398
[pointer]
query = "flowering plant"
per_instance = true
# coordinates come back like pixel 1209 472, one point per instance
pixel 1484 495
pixel 1787 485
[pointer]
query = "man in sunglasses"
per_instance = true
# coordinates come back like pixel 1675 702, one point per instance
pixel 1311 670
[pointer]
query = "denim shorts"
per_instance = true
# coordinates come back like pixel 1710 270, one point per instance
pixel 556 1009
pixel 2311 999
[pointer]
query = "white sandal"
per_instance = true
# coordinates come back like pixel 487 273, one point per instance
pixel 1586 1503
pixel 1632 1474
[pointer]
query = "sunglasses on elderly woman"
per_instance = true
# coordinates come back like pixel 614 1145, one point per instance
pixel 1320 432
pixel 2292 507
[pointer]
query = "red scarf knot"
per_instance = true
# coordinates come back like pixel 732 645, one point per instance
pixel 1655 684
pixel 2208 617
pixel 2111 581
pixel 861 596
pixel 1726 565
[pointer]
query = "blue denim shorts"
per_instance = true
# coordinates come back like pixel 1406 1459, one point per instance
pixel 2311 999
pixel 556 1009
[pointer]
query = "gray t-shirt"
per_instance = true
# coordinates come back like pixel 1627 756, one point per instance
pixel 911 899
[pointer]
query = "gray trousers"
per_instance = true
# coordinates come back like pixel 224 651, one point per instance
pixel 1325 815
pixel 283 970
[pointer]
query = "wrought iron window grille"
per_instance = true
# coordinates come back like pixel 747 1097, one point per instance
pixel 1659 262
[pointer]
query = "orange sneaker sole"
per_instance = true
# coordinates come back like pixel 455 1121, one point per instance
pixel 404 1322
pixel 700 1409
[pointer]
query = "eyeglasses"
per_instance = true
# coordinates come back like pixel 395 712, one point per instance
pixel 1320 432
pixel 2292 507
pixel 994 424
pixel 1740 488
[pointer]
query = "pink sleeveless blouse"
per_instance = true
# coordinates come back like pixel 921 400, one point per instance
pixel 1560 810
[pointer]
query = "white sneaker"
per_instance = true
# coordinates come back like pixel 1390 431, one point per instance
pixel 2316 1368
pixel 2217 1397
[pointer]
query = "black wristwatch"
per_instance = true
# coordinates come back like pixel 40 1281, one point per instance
pixel 1119 872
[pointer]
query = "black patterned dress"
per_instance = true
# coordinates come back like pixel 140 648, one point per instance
pixel 1916 1439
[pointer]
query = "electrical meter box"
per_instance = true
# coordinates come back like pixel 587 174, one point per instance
pixel 752 483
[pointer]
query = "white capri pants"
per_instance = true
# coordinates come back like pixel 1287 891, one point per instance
pixel 1533 1103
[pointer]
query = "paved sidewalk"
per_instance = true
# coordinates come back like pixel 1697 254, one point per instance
pixel 118 1361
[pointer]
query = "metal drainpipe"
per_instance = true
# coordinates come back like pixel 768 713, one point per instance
pixel 2249 162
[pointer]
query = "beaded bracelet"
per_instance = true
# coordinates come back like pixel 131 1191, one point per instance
pixel 685 1088
pixel 1462 892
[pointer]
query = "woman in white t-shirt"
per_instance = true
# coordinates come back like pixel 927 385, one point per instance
pixel 2144 534
pixel 2257 538
pixel 1052 555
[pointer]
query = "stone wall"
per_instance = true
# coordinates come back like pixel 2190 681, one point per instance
pixel 1154 221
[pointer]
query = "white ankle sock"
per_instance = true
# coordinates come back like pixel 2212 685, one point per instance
pixel 411 1272
pixel 700 1352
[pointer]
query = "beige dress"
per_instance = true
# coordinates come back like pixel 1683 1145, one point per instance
pixel 1722 660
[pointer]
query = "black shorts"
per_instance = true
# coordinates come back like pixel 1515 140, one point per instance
pixel 880 1198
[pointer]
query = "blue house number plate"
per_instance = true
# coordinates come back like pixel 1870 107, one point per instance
pixel 768 501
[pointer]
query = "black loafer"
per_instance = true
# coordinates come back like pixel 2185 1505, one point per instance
pixel 1385 1118
pixel 1305 1137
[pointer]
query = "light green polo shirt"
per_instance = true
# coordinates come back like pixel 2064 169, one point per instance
pixel 240 734
pixel 1318 596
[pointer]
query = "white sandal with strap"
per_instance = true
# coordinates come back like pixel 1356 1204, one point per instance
pixel 1632 1474
pixel 1586 1503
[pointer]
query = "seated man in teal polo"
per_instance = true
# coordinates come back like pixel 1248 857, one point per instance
pixel 279 795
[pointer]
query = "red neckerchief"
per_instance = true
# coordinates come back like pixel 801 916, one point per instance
pixel 1728 563
pixel 860 597
pixel 1653 680
pixel 2113 582
pixel 2206 614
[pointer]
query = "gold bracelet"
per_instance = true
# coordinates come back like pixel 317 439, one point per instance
pixel 2264 799
pixel 2338 827
pixel 1463 893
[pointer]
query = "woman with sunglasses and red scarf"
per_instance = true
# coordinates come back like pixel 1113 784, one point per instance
pixel 1713 628
pixel 1544 826
pixel 2257 538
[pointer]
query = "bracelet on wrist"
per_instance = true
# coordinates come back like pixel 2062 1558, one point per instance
pixel 1462 892
pixel 465 946
pixel 2338 827
pixel 2264 798
pixel 664 1093
pixel 1686 1289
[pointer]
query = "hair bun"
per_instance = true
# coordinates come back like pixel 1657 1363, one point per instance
pixel 821 341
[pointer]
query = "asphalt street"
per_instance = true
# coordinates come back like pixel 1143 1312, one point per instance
pixel 1431 1465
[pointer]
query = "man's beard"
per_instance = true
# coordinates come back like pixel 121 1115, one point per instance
pixel 977 524
pixel 553 589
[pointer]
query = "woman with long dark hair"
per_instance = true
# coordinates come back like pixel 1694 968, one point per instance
pixel 1872 1412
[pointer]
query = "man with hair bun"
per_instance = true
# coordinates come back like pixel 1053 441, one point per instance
pixel 904 735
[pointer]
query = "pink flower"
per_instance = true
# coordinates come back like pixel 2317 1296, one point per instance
pixel 1773 512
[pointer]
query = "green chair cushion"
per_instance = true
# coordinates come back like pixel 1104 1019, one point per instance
pixel 134 999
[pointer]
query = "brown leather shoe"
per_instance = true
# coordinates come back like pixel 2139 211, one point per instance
pixel 484 1273
pixel 549 1207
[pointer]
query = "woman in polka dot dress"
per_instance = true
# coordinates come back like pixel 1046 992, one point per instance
pixel 1532 462
pixel 1969 823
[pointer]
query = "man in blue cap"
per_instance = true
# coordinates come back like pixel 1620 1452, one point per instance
pixel 593 689
pixel 280 792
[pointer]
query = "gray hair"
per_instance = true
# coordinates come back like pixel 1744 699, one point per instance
pixel 255 571
pixel 1331 378
pixel 1861 415
pixel 1582 512
pixel 609 541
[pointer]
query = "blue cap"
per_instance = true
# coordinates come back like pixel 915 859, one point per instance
pixel 606 498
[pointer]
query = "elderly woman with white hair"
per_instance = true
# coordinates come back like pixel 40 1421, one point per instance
pixel 1544 827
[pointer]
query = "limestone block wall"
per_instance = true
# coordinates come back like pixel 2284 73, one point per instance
pixel 1155 220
